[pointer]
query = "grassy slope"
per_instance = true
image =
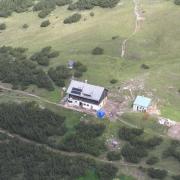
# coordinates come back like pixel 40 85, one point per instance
pixel 156 44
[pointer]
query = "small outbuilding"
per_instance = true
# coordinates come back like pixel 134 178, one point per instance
pixel 71 64
pixel 141 104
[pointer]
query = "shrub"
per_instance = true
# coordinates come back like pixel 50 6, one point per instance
pixel 44 13
pixel 63 2
pixel 72 6
pixel 85 139
pixel 157 173
pixel 45 23
pixel 9 6
pixel 177 177
pixel 18 70
pixel 78 74
pixel 53 54
pixel 97 51
pixel 129 133
pixel 152 142
pixel 113 155
pixel 84 4
pixel 2 26
pixel 91 14
pixel 59 75
pixel 133 154
pixel 144 66
pixel 177 2
pixel 115 37
pixel 72 19
pixel 25 26
pixel 43 57
pixel 113 81
pixel 44 5
pixel 152 160
pixel 90 130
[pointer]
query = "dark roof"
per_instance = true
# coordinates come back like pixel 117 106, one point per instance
pixel 85 90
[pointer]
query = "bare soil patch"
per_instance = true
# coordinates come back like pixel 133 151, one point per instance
pixel 174 131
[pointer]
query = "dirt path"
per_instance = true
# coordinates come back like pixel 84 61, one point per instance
pixel 139 18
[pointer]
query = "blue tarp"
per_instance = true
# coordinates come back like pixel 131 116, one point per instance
pixel 101 114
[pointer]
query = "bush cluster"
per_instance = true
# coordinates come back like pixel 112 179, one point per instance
pixel 19 159
pixel 157 173
pixel 44 56
pixel 85 139
pixel 25 26
pixel 173 150
pixel 144 66
pixel 152 160
pixel 79 69
pixel 2 26
pixel 59 75
pixel 113 81
pixel 45 23
pixel 133 154
pixel 30 121
pixel 97 51
pixel 177 177
pixel 137 147
pixel 90 4
pixel 72 19
pixel 177 2
pixel 113 155
pixel 128 134
pixel 18 70
pixel 9 6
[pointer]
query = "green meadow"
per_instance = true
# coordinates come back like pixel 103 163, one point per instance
pixel 156 44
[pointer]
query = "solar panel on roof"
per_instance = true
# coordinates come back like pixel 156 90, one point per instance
pixel 76 91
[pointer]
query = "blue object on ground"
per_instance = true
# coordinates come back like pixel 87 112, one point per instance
pixel 101 114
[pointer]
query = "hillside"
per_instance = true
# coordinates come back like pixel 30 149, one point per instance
pixel 38 38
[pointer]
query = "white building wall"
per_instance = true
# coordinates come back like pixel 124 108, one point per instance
pixel 139 108
pixel 85 105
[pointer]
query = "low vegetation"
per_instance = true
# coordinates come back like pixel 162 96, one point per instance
pixel 88 4
pixel 18 70
pixel 113 155
pixel 85 139
pixel 97 51
pixel 31 122
pixel 25 26
pixel 72 19
pixel 2 26
pixel 44 56
pixel 152 160
pixel 137 146
pixel 27 161
pixel 177 2
pixel 173 150
pixel 45 23
pixel 9 6
pixel 113 81
pixel 62 73
pixel 157 173
pixel 59 75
